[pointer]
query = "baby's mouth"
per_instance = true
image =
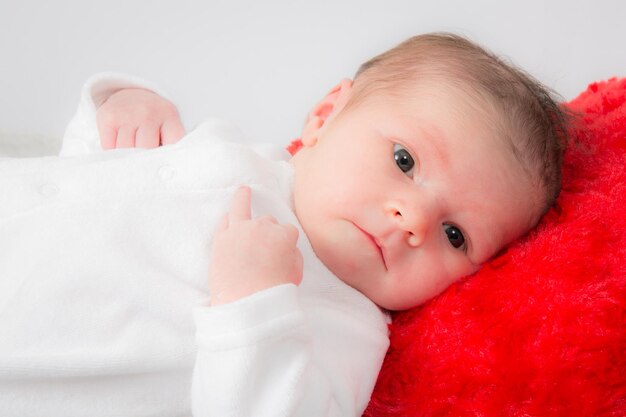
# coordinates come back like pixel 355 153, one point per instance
pixel 375 243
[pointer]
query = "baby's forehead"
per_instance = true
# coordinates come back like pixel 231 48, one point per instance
pixel 461 103
pixel 460 93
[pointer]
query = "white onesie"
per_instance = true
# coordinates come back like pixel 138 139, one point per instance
pixel 103 287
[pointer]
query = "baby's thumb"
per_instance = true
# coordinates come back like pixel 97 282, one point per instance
pixel 298 265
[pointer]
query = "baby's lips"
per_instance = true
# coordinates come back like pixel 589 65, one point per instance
pixel 376 242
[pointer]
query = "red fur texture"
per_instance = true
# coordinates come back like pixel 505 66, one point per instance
pixel 540 330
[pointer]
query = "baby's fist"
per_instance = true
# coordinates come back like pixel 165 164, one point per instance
pixel 134 117
pixel 250 255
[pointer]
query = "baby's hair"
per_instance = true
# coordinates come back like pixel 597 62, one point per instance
pixel 529 117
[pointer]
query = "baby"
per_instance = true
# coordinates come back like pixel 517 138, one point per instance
pixel 410 177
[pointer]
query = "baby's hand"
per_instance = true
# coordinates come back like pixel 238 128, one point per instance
pixel 250 255
pixel 139 118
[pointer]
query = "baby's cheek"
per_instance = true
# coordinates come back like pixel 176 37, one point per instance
pixel 457 268
pixel 432 275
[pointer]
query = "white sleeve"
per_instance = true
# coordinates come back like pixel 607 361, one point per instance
pixel 81 134
pixel 264 355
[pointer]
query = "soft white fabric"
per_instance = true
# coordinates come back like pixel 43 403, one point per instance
pixel 103 288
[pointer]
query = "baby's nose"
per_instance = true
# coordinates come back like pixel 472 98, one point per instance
pixel 411 219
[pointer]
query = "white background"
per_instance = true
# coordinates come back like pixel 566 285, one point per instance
pixel 263 64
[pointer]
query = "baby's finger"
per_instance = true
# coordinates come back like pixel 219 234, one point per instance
pixel 172 131
pixel 125 137
pixel 240 209
pixel 147 135
pixel 292 232
pixel 223 224
pixel 107 137
pixel 298 266
pixel 267 218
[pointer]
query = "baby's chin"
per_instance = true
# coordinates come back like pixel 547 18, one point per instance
pixel 329 248
pixel 347 259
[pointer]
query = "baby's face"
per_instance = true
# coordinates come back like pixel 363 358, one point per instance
pixel 401 197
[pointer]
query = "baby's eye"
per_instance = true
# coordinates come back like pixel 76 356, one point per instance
pixel 455 236
pixel 403 158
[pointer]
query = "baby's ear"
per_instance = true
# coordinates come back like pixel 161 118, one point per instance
pixel 323 111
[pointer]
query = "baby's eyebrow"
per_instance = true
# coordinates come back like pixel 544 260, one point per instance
pixel 437 140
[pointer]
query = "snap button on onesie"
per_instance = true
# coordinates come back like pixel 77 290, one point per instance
pixel 49 190
pixel 166 172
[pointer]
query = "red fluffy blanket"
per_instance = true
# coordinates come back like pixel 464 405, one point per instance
pixel 540 330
